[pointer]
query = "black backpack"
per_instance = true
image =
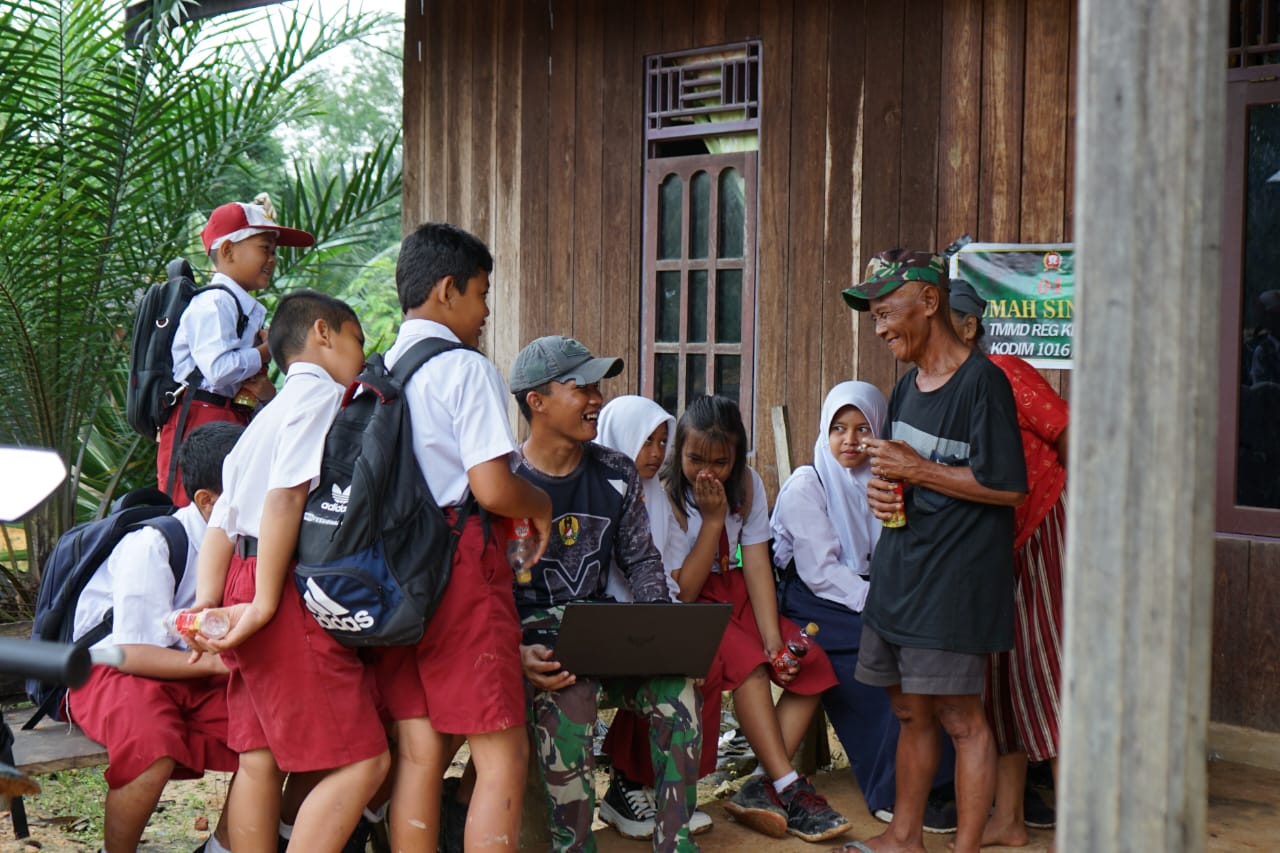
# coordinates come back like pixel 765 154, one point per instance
pixel 375 550
pixel 152 390
pixel 75 558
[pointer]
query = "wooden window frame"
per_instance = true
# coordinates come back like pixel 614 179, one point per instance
pixel 686 167
pixel 1245 88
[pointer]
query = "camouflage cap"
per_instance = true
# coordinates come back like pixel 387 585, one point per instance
pixel 555 358
pixel 892 268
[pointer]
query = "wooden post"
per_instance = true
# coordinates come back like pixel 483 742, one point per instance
pixel 1148 207
pixel 781 442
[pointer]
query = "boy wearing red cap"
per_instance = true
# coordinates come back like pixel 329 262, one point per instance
pixel 219 349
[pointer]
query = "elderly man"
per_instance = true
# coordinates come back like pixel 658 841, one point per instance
pixel 941 596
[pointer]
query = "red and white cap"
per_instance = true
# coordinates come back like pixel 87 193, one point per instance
pixel 236 221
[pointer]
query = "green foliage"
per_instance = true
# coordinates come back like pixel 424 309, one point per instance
pixel 111 157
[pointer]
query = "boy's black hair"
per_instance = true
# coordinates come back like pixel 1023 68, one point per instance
pixel 201 453
pixel 718 420
pixel 431 252
pixel 296 313
pixel 522 400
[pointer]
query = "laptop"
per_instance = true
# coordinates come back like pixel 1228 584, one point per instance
pixel 612 640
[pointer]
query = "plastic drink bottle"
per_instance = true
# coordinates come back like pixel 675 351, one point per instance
pixel 899 517
pixel 520 549
pixel 213 623
pixel 792 653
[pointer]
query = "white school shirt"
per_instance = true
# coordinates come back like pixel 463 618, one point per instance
pixel 750 531
pixel 206 338
pixel 282 447
pixel 801 518
pixel 137 583
pixel 458 409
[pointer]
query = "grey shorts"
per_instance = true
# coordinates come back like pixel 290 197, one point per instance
pixel 929 672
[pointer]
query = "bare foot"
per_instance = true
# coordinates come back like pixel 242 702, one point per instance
pixel 880 844
pixel 999 833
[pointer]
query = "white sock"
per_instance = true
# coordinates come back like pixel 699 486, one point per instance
pixel 212 846
pixel 780 785
pixel 376 815
pixel 286 830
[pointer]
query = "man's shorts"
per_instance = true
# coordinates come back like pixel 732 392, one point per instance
pixel 142 720
pixel 930 672
pixel 464 675
pixel 294 690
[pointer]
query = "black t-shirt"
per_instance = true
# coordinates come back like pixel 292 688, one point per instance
pixel 945 580
pixel 598 518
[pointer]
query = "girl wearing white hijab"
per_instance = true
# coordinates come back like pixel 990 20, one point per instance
pixel 824 533
pixel 640 428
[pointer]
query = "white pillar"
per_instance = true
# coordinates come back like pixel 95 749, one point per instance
pixel 1148 199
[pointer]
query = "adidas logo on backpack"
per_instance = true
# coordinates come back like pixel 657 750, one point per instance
pixel 340 498
pixel 331 615
pixel 374 548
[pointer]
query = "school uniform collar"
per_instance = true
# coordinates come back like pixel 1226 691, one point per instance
pixel 247 302
pixel 417 329
pixel 307 368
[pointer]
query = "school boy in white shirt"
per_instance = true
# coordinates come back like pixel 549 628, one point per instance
pixel 230 353
pixel 159 717
pixel 298 701
pixel 464 677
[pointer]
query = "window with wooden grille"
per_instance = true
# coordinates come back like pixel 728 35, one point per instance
pixel 701 139
pixel 1248 490
pixel 1254 33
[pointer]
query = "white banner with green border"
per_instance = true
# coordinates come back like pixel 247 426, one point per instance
pixel 1030 293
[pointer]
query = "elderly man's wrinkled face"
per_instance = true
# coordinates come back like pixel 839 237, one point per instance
pixel 902 321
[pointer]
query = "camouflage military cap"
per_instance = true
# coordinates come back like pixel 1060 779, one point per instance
pixel 890 269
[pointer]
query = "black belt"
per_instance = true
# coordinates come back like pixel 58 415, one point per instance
pixel 212 398
pixel 246 547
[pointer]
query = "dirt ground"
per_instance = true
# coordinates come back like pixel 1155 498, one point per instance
pixel 62 821
pixel 1243 815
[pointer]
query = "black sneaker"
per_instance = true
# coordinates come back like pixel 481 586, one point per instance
pixel 939 815
pixel 809 815
pixel 627 808
pixel 1036 813
pixel 758 806
pixel 453 818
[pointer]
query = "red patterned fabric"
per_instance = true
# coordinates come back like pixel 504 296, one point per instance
pixel 1042 416
pixel 1022 698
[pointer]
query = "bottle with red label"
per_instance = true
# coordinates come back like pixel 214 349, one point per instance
pixel 899 517
pixel 792 653
pixel 520 548
pixel 212 623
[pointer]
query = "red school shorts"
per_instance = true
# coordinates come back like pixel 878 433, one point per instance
pixel 742 648
pixel 201 413
pixel 294 690
pixel 142 720
pixel 464 674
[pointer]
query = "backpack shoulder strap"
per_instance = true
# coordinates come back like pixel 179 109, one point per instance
pixel 175 537
pixel 242 319
pixel 419 354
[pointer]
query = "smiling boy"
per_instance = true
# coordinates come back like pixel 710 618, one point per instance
pixel 598 520
pixel 219 344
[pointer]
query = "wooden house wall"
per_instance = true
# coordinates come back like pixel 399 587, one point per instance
pixel 884 123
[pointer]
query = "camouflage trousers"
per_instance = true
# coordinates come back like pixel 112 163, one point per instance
pixel 563 722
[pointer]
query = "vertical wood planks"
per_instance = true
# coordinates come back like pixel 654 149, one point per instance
pixel 1000 178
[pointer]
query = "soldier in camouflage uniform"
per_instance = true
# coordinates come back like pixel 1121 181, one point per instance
pixel 598 520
